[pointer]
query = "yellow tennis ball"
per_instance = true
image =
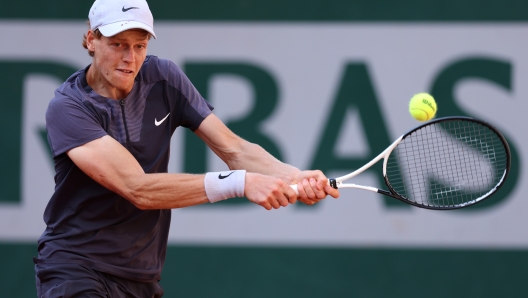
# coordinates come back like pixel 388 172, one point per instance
pixel 422 107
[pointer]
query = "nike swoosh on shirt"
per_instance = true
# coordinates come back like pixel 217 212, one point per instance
pixel 157 123
pixel 127 9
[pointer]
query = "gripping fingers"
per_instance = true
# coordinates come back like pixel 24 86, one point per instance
pixel 312 191
pixel 274 203
pixel 284 202
pixel 268 191
pixel 332 191
pixel 308 188
pixel 276 199
pixel 318 188
pixel 279 201
pixel 266 205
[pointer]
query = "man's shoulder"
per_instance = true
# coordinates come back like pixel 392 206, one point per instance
pixel 152 61
pixel 68 94
pixel 63 99
pixel 71 88
pixel 156 69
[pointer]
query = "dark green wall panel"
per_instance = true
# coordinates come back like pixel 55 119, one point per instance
pixel 17 276
pixel 289 10
pixel 192 271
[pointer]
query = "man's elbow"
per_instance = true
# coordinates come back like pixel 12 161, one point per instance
pixel 142 203
pixel 137 197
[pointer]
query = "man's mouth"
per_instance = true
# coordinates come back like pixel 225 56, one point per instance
pixel 125 71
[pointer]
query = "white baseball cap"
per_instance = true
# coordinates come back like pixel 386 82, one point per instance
pixel 115 16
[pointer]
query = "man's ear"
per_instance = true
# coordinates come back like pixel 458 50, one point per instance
pixel 90 37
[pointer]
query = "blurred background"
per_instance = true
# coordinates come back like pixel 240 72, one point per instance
pixel 319 84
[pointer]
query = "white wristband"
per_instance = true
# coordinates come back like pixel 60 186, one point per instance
pixel 224 185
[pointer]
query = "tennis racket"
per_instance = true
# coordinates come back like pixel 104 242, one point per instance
pixel 447 163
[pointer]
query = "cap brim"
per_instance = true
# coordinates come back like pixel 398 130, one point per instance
pixel 118 27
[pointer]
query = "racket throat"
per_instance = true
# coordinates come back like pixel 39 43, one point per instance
pixel 387 193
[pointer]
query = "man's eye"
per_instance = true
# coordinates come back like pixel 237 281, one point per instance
pixel 117 44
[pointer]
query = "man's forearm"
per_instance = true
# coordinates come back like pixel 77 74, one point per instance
pixel 253 158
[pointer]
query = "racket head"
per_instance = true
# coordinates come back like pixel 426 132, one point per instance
pixel 448 163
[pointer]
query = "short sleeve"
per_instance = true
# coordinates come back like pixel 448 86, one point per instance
pixel 70 124
pixel 194 107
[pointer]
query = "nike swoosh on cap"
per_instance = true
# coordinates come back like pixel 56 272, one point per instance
pixel 127 9
pixel 157 123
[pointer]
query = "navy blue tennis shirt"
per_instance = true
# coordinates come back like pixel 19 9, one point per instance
pixel 87 223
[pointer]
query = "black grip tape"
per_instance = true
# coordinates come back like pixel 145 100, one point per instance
pixel 333 182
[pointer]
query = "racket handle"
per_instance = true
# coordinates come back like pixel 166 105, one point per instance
pixel 332 182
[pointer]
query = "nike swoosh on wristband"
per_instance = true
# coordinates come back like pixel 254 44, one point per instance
pixel 157 123
pixel 127 9
pixel 220 176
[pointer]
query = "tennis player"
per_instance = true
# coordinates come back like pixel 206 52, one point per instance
pixel 109 127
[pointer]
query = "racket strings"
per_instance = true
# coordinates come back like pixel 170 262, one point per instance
pixel 447 164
